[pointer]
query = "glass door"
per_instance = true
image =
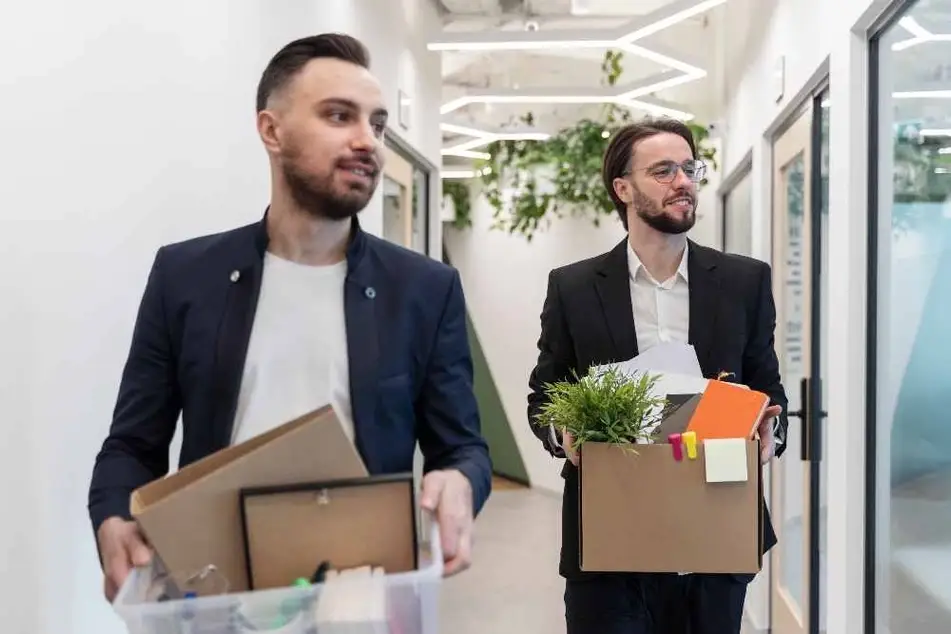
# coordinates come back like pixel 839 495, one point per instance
pixel 799 186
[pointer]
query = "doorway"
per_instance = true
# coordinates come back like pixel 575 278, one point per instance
pixel 405 200
pixel 797 487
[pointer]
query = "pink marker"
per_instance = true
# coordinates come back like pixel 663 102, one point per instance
pixel 674 440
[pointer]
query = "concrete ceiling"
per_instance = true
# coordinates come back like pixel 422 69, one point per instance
pixel 504 58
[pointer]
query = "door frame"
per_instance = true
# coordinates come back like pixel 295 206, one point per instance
pixel 794 141
pixel 808 115
pixel 400 171
pixel 432 235
pixel 743 169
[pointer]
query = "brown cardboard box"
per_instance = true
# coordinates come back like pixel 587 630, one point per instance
pixel 192 517
pixel 647 512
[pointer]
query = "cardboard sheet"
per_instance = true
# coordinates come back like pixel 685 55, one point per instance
pixel 192 517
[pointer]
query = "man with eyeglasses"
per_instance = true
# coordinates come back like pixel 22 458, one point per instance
pixel 656 286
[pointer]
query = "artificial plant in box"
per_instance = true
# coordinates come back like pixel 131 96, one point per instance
pixel 608 406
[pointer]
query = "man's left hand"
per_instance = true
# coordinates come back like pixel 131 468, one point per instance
pixel 765 431
pixel 448 494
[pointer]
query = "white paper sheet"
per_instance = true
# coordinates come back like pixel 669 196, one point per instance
pixel 674 364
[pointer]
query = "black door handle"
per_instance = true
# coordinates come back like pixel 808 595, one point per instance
pixel 809 395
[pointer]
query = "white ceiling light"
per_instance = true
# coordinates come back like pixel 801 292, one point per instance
pixel 447 174
pixel 919 34
pixel 483 137
pixel 557 98
pixel 658 20
pixel 922 94
pixel 484 156
pixel 672 17
pixel 638 28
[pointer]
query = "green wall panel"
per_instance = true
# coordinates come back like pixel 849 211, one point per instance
pixel 506 458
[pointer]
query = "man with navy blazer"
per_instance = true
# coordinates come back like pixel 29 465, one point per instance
pixel 240 331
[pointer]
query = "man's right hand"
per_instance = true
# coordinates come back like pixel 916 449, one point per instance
pixel 567 440
pixel 122 548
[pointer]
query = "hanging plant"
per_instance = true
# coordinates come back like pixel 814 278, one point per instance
pixel 529 183
pixel 458 192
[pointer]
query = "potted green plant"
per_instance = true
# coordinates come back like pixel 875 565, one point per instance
pixel 605 405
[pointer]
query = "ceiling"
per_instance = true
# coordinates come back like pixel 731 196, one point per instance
pixel 505 58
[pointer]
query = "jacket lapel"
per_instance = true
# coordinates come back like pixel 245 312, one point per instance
pixel 360 309
pixel 243 277
pixel 704 301
pixel 237 319
pixel 614 291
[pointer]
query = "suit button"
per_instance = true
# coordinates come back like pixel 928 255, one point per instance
pixel 370 292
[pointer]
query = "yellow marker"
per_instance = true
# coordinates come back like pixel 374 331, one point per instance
pixel 690 441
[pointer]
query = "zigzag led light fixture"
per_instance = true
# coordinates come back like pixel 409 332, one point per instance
pixel 623 38
pixel 466 149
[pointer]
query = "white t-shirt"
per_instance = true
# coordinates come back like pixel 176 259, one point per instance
pixel 297 355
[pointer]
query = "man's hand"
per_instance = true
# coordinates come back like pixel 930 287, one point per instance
pixel 567 440
pixel 765 431
pixel 448 494
pixel 122 547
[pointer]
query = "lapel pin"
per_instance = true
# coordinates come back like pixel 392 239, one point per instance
pixel 235 275
pixel 370 292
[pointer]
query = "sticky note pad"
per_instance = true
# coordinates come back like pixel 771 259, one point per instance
pixel 725 459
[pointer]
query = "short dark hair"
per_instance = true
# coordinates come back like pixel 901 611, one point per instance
pixel 619 155
pixel 293 57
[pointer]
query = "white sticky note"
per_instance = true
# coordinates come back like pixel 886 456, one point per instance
pixel 725 459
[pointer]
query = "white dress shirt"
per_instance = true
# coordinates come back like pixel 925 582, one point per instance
pixel 661 309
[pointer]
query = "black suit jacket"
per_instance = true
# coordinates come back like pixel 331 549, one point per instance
pixel 588 320
pixel 410 365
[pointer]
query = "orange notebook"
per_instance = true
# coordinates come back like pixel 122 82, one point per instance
pixel 727 410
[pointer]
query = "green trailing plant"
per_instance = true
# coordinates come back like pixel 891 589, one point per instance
pixel 607 406
pixel 458 192
pixel 528 183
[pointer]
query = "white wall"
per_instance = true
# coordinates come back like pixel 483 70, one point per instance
pixel 505 278
pixel 805 33
pixel 127 125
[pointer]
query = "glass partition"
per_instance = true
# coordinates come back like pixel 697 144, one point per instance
pixel 738 218
pixel 910 321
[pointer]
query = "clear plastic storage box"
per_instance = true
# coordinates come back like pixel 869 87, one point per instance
pixel 404 603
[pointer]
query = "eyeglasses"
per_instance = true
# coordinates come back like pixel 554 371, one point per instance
pixel 666 171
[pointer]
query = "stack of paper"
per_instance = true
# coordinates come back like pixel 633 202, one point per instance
pixel 675 367
pixel 352 602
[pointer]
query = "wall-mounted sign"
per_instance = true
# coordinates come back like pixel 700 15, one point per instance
pixel 779 78
pixel 403 111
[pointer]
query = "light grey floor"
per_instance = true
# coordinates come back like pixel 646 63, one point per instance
pixel 513 585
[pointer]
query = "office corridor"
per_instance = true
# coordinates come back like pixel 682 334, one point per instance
pixel 513 586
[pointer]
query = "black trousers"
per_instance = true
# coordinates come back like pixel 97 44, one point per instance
pixel 654 604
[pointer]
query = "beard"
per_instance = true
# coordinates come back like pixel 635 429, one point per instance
pixel 319 197
pixel 658 219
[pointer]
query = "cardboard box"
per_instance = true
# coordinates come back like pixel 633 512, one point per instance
pixel 641 510
pixel 192 517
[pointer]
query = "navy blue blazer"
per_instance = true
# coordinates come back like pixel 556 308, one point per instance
pixel 410 365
